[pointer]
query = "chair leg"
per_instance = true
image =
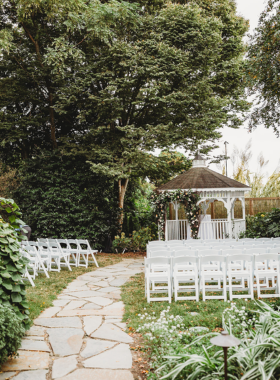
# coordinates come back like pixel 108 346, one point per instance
pixel 148 289
pixel 94 259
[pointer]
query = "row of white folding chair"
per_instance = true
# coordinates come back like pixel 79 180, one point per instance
pixel 204 272
pixel 74 248
pixel 51 254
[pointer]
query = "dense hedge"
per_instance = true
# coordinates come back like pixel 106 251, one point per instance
pixel 61 197
pixel 12 264
pixel 11 333
pixel 263 224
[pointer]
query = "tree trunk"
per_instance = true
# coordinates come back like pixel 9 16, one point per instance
pixel 122 189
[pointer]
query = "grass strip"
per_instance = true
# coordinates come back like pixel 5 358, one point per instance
pixel 47 289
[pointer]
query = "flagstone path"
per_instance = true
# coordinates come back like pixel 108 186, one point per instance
pixel 82 336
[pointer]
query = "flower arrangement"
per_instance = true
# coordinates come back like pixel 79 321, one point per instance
pixel 190 200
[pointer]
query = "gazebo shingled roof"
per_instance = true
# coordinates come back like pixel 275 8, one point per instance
pixel 201 178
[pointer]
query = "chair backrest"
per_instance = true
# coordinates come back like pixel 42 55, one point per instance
pixel 42 240
pixel 72 242
pixel 263 239
pixel 239 257
pixel 268 256
pixel 185 252
pixel 208 252
pixel 246 239
pixel 83 244
pixel 54 245
pixel 157 261
pixel 63 243
pixel 160 253
pixel 255 251
pixel 215 258
pixel 273 250
pixel 185 260
pixel 232 251
pixel 43 246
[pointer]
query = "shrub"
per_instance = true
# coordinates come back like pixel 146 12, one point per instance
pixel 11 333
pixel 12 264
pixel 61 197
pixel 263 224
pixel 137 242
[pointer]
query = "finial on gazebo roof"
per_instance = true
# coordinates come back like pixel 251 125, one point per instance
pixel 199 161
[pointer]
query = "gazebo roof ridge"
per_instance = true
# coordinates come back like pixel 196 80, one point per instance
pixel 201 177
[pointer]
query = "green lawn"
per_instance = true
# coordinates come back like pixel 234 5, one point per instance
pixel 210 311
pixel 47 289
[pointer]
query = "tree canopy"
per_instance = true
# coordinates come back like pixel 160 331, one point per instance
pixel 114 81
pixel 263 68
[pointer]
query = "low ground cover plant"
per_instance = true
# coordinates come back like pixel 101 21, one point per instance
pixel 179 347
pixel 11 333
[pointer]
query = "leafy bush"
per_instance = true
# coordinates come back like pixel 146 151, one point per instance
pixel 12 264
pixel 257 356
pixel 137 242
pixel 61 197
pixel 263 224
pixel 11 333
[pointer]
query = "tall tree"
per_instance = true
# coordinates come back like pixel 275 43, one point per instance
pixel 263 68
pixel 173 81
pixel 29 32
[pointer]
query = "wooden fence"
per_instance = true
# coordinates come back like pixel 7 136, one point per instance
pixel 218 211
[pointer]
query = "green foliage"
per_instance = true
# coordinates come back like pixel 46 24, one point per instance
pixel 12 264
pixel 263 68
pixel 189 198
pixel 263 224
pixel 167 166
pixel 137 242
pixel 257 356
pixel 61 198
pixel 11 333
pixel 34 36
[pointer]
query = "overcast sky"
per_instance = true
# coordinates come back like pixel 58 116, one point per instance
pixel 263 140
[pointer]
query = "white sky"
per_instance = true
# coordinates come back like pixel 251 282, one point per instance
pixel 263 140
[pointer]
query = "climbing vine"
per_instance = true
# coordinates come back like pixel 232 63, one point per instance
pixel 188 198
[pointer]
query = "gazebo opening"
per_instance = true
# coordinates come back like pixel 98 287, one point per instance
pixel 220 196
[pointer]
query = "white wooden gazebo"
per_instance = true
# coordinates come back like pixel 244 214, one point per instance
pixel 212 186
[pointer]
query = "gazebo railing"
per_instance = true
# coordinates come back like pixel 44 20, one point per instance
pixel 212 229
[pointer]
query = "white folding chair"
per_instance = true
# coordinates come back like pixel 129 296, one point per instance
pixel 270 272
pixel 157 270
pixel 85 251
pixel 59 255
pixel 210 274
pixel 240 269
pixel 185 277
pixel 66 248
pixel 31 265
pixel 42 262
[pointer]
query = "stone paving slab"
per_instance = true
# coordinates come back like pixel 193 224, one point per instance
pixel 60 302
pixel 111 332
pixel 34 345
pixel 84 327
pixel 91 306
pixel 66 341
pixel 99 374
pixel 6 375
pixel 27 360
pixel 32 375
pixel 83 312
pixel 91 324
pixel 118 357
pixel 96 346
pixel 36 330
pixel 74 305
pixel 50 312
pixel 63 366
pixel 101 301
pixel 59 322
